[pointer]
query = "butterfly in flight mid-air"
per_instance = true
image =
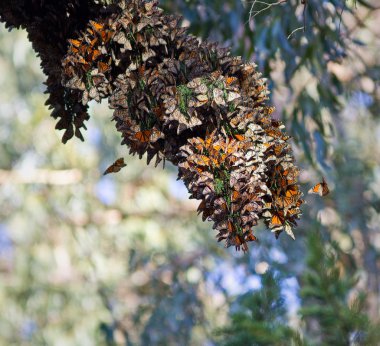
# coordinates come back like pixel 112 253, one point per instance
pixel 116 166
pixel 321 188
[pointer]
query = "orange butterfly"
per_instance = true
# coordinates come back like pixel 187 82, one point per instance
pixel 75 43
pixel 201 160
pixel 103 67
pixel 292 191
pixel 267 205
pixel 115 167
pixel 143 136
pixel 295 210
pixel 230 80
pixel 235 196
pixel 93 42
pixel 321 188
pixel 95 54
pixel 279 148
pixel 96 26
pixel 284 201
pixel 277 220
pixel 141 70
pixel 237 241
pixel 250 237
pixel 158 111
pixel 239 137
pixel 230 226
pixel 292 212
pixel 273 132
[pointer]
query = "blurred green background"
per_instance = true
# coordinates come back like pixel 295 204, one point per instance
pixel 123 259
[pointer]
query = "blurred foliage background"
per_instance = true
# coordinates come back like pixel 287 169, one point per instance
pixel 124 260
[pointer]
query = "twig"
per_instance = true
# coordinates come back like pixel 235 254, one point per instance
pixel 295 30
pixel 267 5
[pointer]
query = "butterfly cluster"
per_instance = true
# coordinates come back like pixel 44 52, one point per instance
pixel 189 102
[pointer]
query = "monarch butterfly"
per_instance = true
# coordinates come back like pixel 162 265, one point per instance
pixel 235 196
pixel 321 188
pixel 75 43
pixel 272 132
pixel 216 147
pixel 293 211
pixel 158 111
pixel 120 114
pixel 278 149
pixel 230 226
pixel 120 37
pixel 239 137
pixel 156 135
pixel 115 167
pixel 250 237
pixel 277 220
pixel 230 80
pixel 141 70
pixel 284 202
pixel 93 42
pixel 96 26
pixel 82 60
pixel 106 35
pixel 296 209
pixel 103 67
pixel 143 136
pixel 283 183
pixel 278 124
pixel 206 213
pixel 292 192
pixel 95 54
pixel 238 241
pixel 201 160
pixel 267 205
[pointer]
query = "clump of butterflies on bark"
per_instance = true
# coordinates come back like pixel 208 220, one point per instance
pixel 174 98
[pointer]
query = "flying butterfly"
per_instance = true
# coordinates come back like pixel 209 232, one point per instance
pixel 115 167
pixel 321 188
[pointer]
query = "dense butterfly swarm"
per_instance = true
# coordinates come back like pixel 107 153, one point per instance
pixel 174 98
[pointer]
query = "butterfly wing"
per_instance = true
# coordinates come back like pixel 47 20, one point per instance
pixel 143 136
pixel 325 188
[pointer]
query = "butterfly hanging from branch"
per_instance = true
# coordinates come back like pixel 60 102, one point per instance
pixel 321 188
pixel 116 166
